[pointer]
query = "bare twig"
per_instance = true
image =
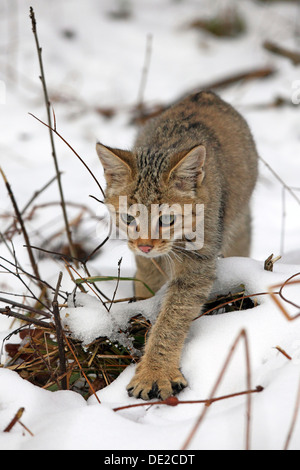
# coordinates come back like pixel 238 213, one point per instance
pixel 55 253
pixel 242 335
pixel 47 103
pixel 282 51
pixel 259 73
pixel 8 312
pixel 70 147
pixel 281 297
pixel 117 284
pixel 24 307
pixel 32 199
pixel 288 281
pixel 283 219
pixel 207 312
pixel 283 352
pixel 31 276
pixel 15 419
pixel 59 335
pixel 173 401
pixel 288 188
pixel 82 371
pixel 145 72
pixel 23 228
pixel 294 419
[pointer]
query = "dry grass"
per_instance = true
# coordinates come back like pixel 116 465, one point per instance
pixel 36 356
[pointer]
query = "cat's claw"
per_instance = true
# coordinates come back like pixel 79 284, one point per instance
pixel 156 387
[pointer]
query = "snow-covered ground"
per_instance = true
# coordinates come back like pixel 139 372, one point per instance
pixel 92 60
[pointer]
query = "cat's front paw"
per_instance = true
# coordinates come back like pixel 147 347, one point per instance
pixel 148 384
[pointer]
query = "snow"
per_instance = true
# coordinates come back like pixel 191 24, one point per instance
pixel 101 66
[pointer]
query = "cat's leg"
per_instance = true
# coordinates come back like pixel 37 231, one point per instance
pixel 151 273
pixel 158 374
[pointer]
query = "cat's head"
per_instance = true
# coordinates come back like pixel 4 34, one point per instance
pixel 152 199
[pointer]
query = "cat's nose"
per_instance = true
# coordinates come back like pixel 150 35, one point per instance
pixel 145 248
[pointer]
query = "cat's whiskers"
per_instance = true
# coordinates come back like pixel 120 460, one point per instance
pixel 170 263
pixel 176 255
pixel 186 252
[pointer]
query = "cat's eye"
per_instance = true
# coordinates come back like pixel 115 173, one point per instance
pixel 165 220
pixel 127 218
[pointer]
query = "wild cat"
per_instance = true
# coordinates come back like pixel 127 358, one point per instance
pixel 199 151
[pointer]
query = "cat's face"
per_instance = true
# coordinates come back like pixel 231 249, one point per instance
pixel 155 211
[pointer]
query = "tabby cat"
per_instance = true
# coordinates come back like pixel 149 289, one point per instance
pixel 199 151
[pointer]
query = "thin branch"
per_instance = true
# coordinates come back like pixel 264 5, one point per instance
pixel 31 276
pixel 82 371
pixel 284 285
pixel 25 307
pixel 294 419
pixel 243 335
pixel 74 151
pixel 59 335
pixel 47 103
pixel 17 275
pixel 282 51
pixel 55 253
pixel 283 352
pixel 23 228
pixel 278 302
pixel 243 297
pixel 173 401
pixel 117 284
pixel 15 419
pixel 32 199
pixel 145 71
pixel 8 312
pixel 288 188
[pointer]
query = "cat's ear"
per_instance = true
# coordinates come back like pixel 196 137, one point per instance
pixel 187 169
pixel 118 165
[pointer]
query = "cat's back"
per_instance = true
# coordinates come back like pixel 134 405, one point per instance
pixel 203 118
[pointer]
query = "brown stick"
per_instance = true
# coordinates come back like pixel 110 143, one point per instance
pixel 231 301
pixel 60 336
pixel 288 188
pixel 53 129
pixel 243 335
pixel 32 199
pixel 286 283
pixel 173 401
pixel 82 371
pixel 24 307
pixel 259 73
pixel 8 312
pixel 294 419
pixel 278 302
pixel 15 419
pixel 117 284
pixel 282 51
pixel 23 228
pixel 283 352
pixel 145 72
pixel 47 103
